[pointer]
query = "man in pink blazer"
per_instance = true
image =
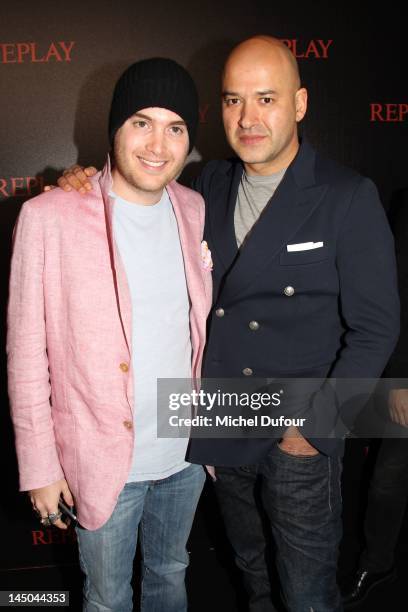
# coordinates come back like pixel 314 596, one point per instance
pixel 108 292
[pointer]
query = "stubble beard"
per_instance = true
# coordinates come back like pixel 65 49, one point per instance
pixel 140 183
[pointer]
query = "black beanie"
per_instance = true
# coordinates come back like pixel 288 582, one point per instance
pixel 155 82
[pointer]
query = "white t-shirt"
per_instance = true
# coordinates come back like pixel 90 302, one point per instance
pixel 148 242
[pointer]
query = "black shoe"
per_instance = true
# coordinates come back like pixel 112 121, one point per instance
pixel 362 583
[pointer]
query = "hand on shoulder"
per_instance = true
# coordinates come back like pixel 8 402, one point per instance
pixel 76 177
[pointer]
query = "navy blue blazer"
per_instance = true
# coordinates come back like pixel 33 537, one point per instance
pixel 330 311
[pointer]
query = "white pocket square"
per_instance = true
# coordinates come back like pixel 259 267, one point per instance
pixel 303 246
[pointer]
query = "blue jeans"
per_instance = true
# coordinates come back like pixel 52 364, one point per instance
pixel 162 511
pixel 301 500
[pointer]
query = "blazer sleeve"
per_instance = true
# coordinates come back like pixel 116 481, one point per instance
pixel 28 374
pixel 397 366
pixel 368 287
pixel 369 306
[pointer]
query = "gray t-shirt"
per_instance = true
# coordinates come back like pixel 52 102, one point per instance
pixel 148 242
pixel 254 193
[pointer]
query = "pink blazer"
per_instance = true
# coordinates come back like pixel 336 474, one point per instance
pixel 68 345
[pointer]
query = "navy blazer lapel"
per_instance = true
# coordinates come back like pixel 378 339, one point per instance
pixel 293 202
pixel 221 236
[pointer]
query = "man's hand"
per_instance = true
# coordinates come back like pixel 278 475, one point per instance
pixel 75 177
pixel 398 406
pixel 294 443
pixel 45 500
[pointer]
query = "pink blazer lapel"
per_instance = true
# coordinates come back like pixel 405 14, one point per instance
pixel 189 226
pixel 190 231
pixel 121 284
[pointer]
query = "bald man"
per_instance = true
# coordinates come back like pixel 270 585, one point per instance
pixel 304 286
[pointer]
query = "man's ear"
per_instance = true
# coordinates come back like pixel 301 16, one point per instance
pixel 300 103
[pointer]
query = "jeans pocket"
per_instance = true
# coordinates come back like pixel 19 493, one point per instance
pixel 285 453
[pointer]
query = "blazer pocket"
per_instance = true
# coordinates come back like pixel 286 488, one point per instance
pixel 298 258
